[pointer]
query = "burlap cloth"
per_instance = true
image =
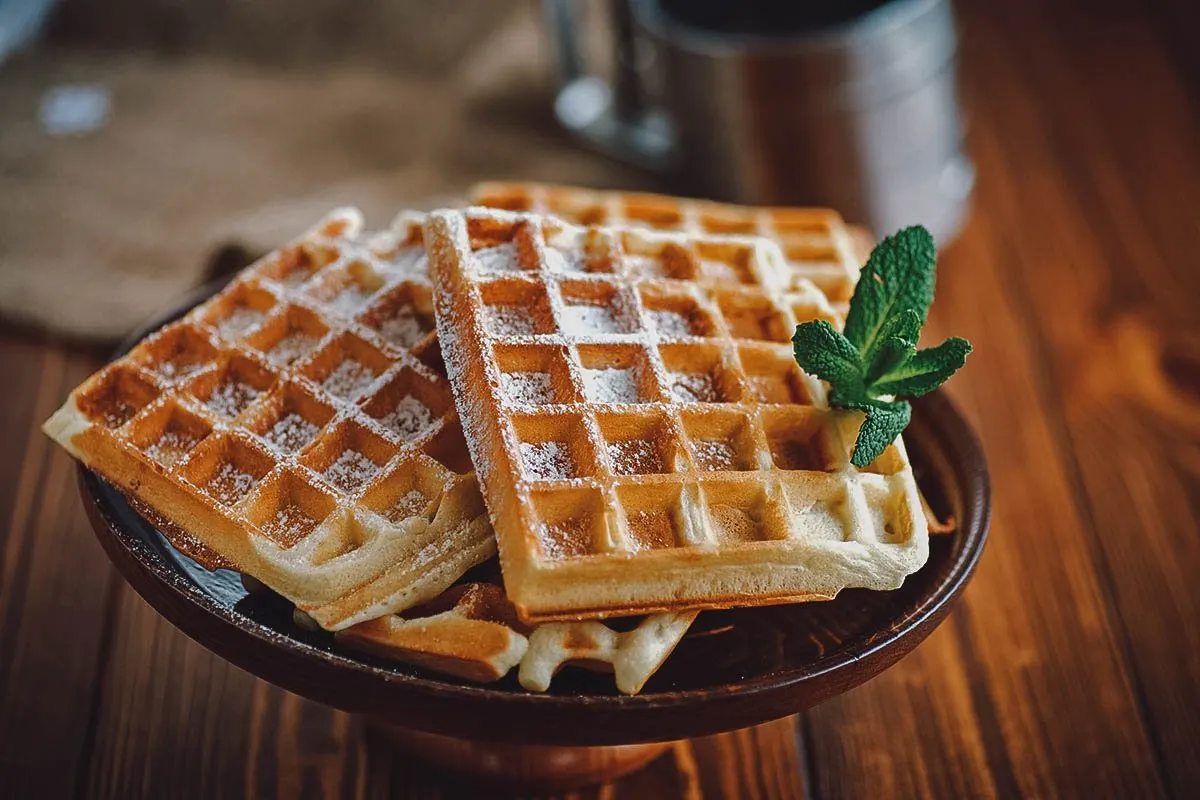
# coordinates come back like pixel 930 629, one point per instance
pixel 211 147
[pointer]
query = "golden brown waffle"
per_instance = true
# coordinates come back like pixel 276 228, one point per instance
pixel 818 246
pixel 643 435
pixel 293 425
pixel 472 631
pixel 816 243
pixel 632 655
pixel 282 315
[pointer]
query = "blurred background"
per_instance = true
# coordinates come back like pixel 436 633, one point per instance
pixel 147 145
pixel 241 123
pixel 157 134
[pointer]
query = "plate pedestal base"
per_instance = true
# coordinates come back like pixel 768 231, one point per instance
pixel 521 766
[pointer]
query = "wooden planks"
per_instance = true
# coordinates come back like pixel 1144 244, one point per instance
pixel 1035 617
pixel 911 732
pixel 1104 241
pixel 170 714
pixel 54 585
pixel 755 763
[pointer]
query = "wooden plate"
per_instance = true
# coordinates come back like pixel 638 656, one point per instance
pixel 735 668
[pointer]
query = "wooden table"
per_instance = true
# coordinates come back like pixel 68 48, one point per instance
pixel 1072 665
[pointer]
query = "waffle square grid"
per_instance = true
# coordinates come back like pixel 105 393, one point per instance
pixel 297 426
pixel 816 244
pixel 643 435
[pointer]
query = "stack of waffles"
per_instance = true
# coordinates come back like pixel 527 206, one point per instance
pixel 597 386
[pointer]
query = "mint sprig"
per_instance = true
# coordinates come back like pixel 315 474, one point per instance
pixel 876 363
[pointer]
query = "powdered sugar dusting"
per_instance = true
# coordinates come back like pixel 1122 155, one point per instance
pixel 528 388
pixel 230 484
pixel 720 272
pixel 670 324
pixel 566 538
pixel 406 261
pixel 294 346
pixel 294 277
pixel 289 525
pixel 351 470
pixel 173 445
pixel 118 412
pixel 350 300
pixel 558 261
pixel 501 258
pixel 240 320
pixel 644 266
pixel 650 530
pixel 409 418
pixel 715 454
pixel 511 321
pixel 612 385
pixel 349 379
pixel 635 457
pixel 693 387
pixel 406 328
pixel 231 397
pixel 582 320
pixel 291 432
pixel 175 370
pixel 548 460
pixel 408 506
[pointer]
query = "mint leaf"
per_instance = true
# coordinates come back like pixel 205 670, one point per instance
pixel 893 353
pixel 906 325
pixel 924 371
pixel 884 422
pixel 877 357
pixel 822 351
pixel 899 276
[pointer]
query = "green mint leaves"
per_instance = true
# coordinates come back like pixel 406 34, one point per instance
pixel 876 361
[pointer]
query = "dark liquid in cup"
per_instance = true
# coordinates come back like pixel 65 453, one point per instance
pixel 782 18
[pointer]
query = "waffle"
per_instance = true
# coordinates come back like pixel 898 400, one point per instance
pixel 472 632
pixel 643 435
pixel 817 245
pixel 633 655
pixel 296 426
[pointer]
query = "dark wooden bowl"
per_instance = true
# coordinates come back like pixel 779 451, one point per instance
pixel 735 668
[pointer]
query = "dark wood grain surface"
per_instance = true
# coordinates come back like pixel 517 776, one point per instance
pixel 1072 665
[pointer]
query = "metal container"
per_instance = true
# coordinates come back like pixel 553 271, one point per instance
pixel 860 115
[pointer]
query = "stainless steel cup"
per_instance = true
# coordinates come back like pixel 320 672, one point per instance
pixel 860 115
